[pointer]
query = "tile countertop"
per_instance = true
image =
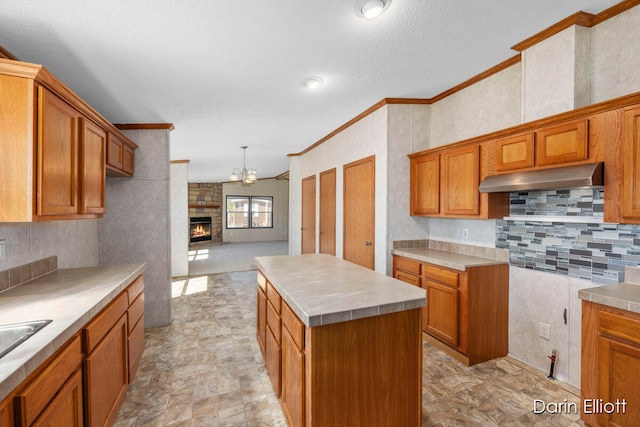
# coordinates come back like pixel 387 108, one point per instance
pixel 69 297
pixel 322 289
pixel 445 259
pixel 625 296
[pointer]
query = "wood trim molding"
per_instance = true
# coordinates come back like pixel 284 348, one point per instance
pixel 614 10
pixel 582 19
pixel 283 175
pixel 4 53
pixel 145 126
pixel 477 78
pixel 180 161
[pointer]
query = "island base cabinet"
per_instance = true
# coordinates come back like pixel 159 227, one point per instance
pixel 365 372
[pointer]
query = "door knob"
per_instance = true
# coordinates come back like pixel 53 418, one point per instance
pixel 367 243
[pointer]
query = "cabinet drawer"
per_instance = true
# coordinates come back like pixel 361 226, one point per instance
pixel 135 312
pixel 135 289
pixel 33 399
pixel 408 278
pixel 293 325
pixel 66 408
pixel 274 297
pixel 441 275
pixel 273 321
pixel 103 322
pixel 620 326
pixel 408 265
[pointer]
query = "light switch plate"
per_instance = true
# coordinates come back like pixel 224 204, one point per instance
pixel 3 249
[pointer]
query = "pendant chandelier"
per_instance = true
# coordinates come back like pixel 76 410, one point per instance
pixel 247 176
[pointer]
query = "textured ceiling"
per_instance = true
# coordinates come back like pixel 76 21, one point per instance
pixel 232 73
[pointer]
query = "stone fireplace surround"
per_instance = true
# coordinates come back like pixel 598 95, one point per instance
pixel 205 199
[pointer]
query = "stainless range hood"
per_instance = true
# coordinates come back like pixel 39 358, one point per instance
pixel 587 175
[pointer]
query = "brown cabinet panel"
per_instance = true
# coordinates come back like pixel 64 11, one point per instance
pixel 66 408
pixel 57 156
pixel 442 312
pixel 461 179
pixel 295 327
pixel 293 381
pixel 631 164
pixel 610 364
pixel 273 360
pixel 425 185
pixel 6 413
pixel 136 347
pixel 92 167
pixel 515 152
pixel 106 375
pixel 261 327
pixel 120 156
pixel 31 401
pixel 567 142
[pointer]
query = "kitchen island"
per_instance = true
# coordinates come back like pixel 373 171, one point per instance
pixel 342 344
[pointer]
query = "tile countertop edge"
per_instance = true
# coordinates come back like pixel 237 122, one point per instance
pixel 338 316
pixel 625 296
pixel 446 259
pixel 15 370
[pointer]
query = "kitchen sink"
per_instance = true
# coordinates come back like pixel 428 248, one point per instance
pixel 14 334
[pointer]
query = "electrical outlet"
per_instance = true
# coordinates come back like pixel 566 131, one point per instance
pixel 544 330
pixel 3 249
pixel 465 233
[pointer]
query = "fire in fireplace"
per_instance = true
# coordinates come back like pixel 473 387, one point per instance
pixel 200 229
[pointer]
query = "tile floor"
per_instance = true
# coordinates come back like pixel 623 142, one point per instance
pixel 206 370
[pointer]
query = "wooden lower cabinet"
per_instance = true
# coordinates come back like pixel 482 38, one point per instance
pixel 441 319
pixel 52 391
pixel 84 383
pixel 467 312
pixel 348 373
pixel 106 375
pixel 610 366
pixel 66 407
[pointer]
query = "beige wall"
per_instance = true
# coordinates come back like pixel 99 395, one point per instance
pixel 279 190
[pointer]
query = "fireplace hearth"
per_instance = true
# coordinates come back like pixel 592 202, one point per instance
pixel 200 229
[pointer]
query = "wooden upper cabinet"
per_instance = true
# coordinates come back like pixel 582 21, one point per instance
pixel 53 149
pixel 563 143
pixel 631 164
pixel 93 172
pixel 515 152
pixel 460 181
pixel 120 156
pixel 57 156
pixel 425 185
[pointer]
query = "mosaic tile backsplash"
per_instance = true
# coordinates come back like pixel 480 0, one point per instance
pixel 590 250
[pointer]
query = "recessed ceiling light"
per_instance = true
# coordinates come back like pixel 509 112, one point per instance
pixel 371 9
pixel 313 82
